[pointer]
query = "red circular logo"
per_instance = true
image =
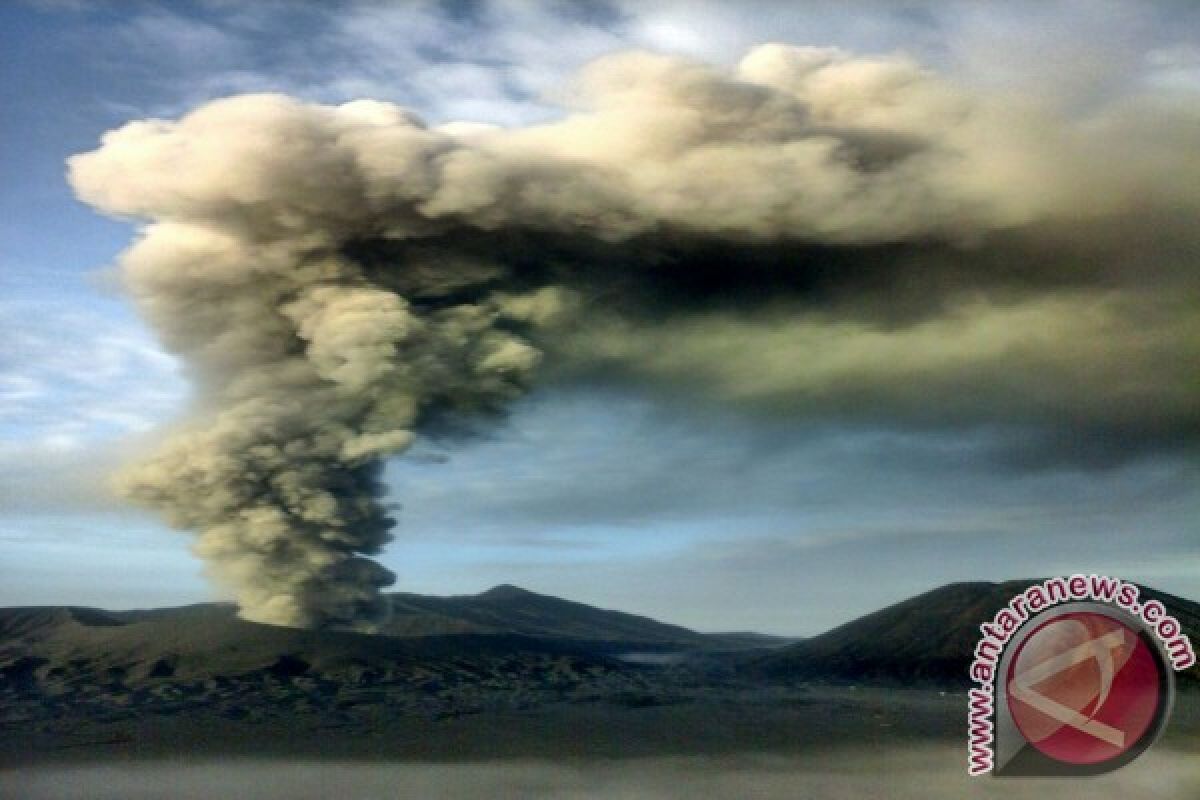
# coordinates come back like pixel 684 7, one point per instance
pixel 1084 688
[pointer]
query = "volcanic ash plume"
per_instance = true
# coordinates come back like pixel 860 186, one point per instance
pixel 337 277
pixel 309 371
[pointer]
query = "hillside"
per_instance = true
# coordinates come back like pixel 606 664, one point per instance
pixel 927 639
pixel 436 655
pixel 511 609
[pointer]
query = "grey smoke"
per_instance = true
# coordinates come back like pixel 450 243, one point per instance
pixel 810 233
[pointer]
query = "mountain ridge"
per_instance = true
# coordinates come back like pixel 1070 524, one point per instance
pixel 926 639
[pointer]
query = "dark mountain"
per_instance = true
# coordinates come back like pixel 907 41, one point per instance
pixel 510 609
pixel 504 649
pixel 208 639
pixel 928 639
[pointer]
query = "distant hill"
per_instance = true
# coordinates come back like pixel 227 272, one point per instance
pixel 927 639
pixel 511 609
pixel 504 649
pixel 206 641
pixel 209 639
pixel 503 609
pixel 506 638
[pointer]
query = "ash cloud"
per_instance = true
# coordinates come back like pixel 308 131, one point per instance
pixel 809 233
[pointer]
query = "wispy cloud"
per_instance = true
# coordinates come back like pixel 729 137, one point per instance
pixel 496 61
pixel 71 377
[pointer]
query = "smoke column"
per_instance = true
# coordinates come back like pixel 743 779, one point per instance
pixel 308 371
pixel 337 277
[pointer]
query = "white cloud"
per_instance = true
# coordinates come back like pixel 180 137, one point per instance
pixel 498 60
pixel 71 377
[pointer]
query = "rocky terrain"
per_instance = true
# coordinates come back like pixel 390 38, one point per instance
pixel 927 640
pixel 438 657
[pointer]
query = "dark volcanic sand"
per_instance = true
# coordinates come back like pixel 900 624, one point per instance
pixel 814 743
pixel 780 721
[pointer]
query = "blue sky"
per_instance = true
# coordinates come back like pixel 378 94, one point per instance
pixel 698 516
